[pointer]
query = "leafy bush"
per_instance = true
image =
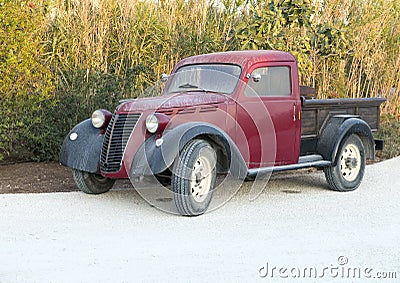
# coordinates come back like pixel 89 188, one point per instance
pixel 279 25
pixel 26 87
pixel 389 132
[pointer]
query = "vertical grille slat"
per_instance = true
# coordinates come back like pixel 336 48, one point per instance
pixel 115 139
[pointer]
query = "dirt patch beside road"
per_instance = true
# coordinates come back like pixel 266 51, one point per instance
pixel 34 177
pixel 40 177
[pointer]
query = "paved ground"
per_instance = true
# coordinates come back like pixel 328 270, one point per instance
pixel 295 224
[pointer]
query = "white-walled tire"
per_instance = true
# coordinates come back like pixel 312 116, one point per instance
pixel 193 178
pixel 349 170
pixel 91 183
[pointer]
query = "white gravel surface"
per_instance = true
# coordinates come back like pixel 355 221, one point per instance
pixel 118 237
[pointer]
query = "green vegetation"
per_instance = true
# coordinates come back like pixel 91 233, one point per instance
pixel 26 87
pixel 390 133
pixel 62 59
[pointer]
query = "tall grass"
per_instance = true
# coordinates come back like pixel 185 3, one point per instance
pixel 368 60
pixel 125 37
pixel 138 40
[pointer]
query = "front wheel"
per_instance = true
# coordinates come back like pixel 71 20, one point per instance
pixel 91 183
pixel 193 178
pixel 348 173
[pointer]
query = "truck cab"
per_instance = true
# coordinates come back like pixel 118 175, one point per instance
pixel 238 113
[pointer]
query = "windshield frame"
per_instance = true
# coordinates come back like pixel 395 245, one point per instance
pixel 167 89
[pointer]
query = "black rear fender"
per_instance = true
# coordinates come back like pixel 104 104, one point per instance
pixel 337 130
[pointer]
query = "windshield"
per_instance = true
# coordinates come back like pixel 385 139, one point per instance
pixel 219 78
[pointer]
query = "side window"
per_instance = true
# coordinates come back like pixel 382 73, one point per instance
pixel 269 81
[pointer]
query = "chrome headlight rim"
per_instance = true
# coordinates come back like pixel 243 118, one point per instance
pixel 98 119
pixel 152 123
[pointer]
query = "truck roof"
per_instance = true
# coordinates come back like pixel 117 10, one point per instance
pixel 243 58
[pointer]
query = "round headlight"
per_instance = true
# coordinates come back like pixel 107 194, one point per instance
pixel 152 123
pixel 98 119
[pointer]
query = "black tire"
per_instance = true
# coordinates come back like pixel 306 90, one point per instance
pixel 349 170
pixel 193 178
pixel 92 183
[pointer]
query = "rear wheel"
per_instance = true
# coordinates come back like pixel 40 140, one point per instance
pixel 193 178
pixel 91 183
pixel 349 170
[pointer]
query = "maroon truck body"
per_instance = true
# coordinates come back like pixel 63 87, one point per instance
pixel 192 106
pixel 263 117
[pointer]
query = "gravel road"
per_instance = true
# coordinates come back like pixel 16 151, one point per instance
pixel 296 224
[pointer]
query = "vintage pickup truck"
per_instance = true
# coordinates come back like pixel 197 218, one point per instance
pixel 238 112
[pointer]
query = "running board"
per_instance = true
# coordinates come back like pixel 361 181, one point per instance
pixel 304 162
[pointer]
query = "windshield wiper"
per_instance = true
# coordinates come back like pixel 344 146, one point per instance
pixel 188 85
pixel 192 88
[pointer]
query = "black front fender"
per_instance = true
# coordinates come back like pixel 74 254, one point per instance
pixel 153 159
pixel 83 153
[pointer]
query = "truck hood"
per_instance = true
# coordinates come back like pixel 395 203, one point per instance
pixel 172 101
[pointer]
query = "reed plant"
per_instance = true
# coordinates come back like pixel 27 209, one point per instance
pixel 368 64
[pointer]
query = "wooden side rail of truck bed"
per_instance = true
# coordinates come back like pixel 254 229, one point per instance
pixel 317 112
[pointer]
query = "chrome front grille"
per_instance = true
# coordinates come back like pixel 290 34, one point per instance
pixel 115 139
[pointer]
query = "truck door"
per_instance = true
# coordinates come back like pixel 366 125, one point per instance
pixel 271 89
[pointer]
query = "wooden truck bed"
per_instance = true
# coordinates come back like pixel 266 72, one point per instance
pixel 317 112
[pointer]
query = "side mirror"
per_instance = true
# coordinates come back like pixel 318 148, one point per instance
pixel 256 77
pixel 164 77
